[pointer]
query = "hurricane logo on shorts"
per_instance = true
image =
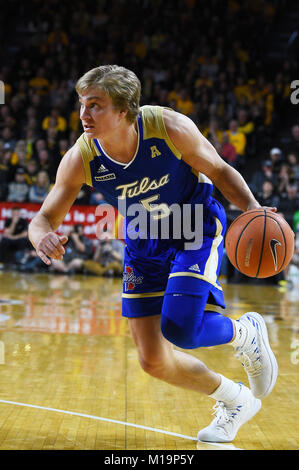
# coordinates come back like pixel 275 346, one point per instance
pixel 129 278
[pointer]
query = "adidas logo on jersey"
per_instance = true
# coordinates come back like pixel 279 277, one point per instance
pixel 102 169
pixel 195 267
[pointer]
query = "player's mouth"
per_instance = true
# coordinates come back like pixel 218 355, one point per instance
pixel 87 127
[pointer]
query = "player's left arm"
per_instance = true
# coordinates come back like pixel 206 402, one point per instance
pixel 200 154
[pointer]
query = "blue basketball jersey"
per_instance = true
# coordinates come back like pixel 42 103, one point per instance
pixel 156 177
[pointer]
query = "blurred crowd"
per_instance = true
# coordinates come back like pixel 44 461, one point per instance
pixel 207 60
pixel 105 257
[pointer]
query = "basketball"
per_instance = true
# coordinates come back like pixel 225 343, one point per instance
pixel 259 243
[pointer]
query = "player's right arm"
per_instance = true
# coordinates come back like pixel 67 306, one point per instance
pixel 69 180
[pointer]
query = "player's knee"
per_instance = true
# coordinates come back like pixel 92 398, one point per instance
pixel 153 364
pixel 181 335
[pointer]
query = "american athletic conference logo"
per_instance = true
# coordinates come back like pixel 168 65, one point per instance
pixel 130 280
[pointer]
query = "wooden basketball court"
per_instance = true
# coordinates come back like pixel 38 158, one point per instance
pixel 70 377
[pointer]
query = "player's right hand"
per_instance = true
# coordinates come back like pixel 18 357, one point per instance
pixel 51 246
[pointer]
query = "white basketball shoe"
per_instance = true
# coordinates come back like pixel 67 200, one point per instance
pixel 252 348
pixel 229 417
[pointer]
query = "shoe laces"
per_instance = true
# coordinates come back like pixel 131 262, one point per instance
pixel 224 414
pixel 250 359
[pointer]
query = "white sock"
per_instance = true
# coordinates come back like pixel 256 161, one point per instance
pixel 241 333
pixel 227 391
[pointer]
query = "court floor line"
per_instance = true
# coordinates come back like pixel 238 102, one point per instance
pixel 124 423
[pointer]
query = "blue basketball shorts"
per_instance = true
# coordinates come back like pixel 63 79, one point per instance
pixel 149 276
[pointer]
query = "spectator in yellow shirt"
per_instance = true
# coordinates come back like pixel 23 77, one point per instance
pixel 184 104
pixel 60 121
pixel 241 89
pixel 174 94
pixel 237 138
pixel 203 81
pixel 74 120
pixel 245 125
pixel 40 83
pixel 20 154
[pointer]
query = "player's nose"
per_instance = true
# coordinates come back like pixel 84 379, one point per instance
pixel 84 113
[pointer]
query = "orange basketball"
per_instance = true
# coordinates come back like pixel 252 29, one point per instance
pixel 259 243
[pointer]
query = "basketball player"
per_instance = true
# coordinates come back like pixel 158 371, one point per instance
pixel 155 157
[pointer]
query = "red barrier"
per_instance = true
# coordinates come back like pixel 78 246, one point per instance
pixel 93 218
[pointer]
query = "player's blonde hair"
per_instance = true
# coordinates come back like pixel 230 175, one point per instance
pixel 119 83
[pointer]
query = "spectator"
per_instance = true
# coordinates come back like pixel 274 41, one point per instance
pixel 292 160
pixel 237 139
pixel 45 164
pixel 54 120
pixel 227 151
pixel 20 161
pixel 29 139
pixel 38 103
pixel 260 176
pixel 289 203
pixel 14 237
pixel 74 120
pixel 52 138
pixel 174 94
pixel 108 258
pixel 40 84
pixel 245 124
pixel 293 144
pixel 8 140
pixel 213 133
pixel 29 262
pixel 19 154
pixel 40 189
pixel 267 196
pixel 77 250
pixel 31 171
pixel 59 95
pixel 276 159
pixel 283 179
pixel 5 173
pixel 39 145
pixel 184 103
pixel 63 145
pixel 18 189
pixel 258 117
pixel 241 89
pixel 5 114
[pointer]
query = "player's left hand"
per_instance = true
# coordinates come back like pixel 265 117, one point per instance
pixel 272 209
pixel 256 205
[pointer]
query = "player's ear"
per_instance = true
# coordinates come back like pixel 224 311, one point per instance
pixel 123 113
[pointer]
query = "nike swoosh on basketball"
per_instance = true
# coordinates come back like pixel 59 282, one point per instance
pixel 273 242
